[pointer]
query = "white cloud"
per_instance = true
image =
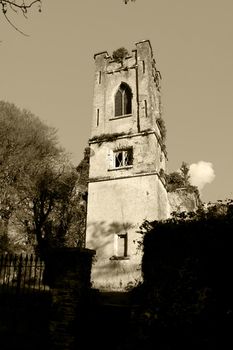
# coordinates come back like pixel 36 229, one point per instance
pixel 201 173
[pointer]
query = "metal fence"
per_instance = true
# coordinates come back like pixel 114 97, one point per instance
pixel 21 274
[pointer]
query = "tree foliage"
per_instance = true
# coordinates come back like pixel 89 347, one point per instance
pixel 38 194
pixel 187 289
pixel 119 54
pixel 161 123
pixel 26 143
pixel 184 170
pixel 180 179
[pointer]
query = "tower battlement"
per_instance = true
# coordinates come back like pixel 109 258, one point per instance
pixel 139 73
pixel 102 58
pixel 141 55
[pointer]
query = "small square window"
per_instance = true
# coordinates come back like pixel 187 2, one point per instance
pixel 123 158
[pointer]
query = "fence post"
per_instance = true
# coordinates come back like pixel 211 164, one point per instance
pixel 68 273
pixel 19 274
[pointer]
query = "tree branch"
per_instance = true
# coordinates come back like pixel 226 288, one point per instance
pixel 16 4
pixel 126 1
pixel 23 7
pixel 18 30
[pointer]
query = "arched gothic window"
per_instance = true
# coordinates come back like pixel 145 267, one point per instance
pixel 123 103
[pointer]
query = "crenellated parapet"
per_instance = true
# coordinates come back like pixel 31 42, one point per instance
pixel 138 71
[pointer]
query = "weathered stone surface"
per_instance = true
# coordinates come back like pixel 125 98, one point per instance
pixel 121 198
pixel 182 200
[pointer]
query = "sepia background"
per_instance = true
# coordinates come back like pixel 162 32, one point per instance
pixel 50 72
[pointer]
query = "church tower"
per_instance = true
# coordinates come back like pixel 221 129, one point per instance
pixel 127 164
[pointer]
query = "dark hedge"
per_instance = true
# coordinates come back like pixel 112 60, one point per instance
pixel 186 296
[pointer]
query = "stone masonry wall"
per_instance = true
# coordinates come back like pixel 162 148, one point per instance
pixel 68 272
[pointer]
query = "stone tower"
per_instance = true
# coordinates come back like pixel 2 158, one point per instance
pixel 127 163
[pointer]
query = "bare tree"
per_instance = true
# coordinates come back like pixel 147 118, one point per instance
pixel 21 6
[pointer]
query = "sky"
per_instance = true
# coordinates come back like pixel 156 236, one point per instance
pixel 51 73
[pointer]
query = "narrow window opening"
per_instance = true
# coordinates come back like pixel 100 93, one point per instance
pixel 97 117
pixel 100 77
pixel 122 245
pixel 118 103
pixel 145 106
pixel 127 103
pixel 143 67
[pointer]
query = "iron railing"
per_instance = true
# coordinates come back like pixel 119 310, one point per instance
pixel 21 274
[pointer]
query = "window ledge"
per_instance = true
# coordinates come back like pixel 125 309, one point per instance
pixel 114 257
pixel 121 116
pixel 121 167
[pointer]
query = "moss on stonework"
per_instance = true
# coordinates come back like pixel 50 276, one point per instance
pixel 119 54
pixel 107 137
pixel 162 127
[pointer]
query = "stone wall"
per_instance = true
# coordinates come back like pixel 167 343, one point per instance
pixel 68 272
pixel 147 156
pixel 135 199
pixel 137 71
pixel 182 200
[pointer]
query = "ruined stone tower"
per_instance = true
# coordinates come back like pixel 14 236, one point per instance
pixel 127 163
